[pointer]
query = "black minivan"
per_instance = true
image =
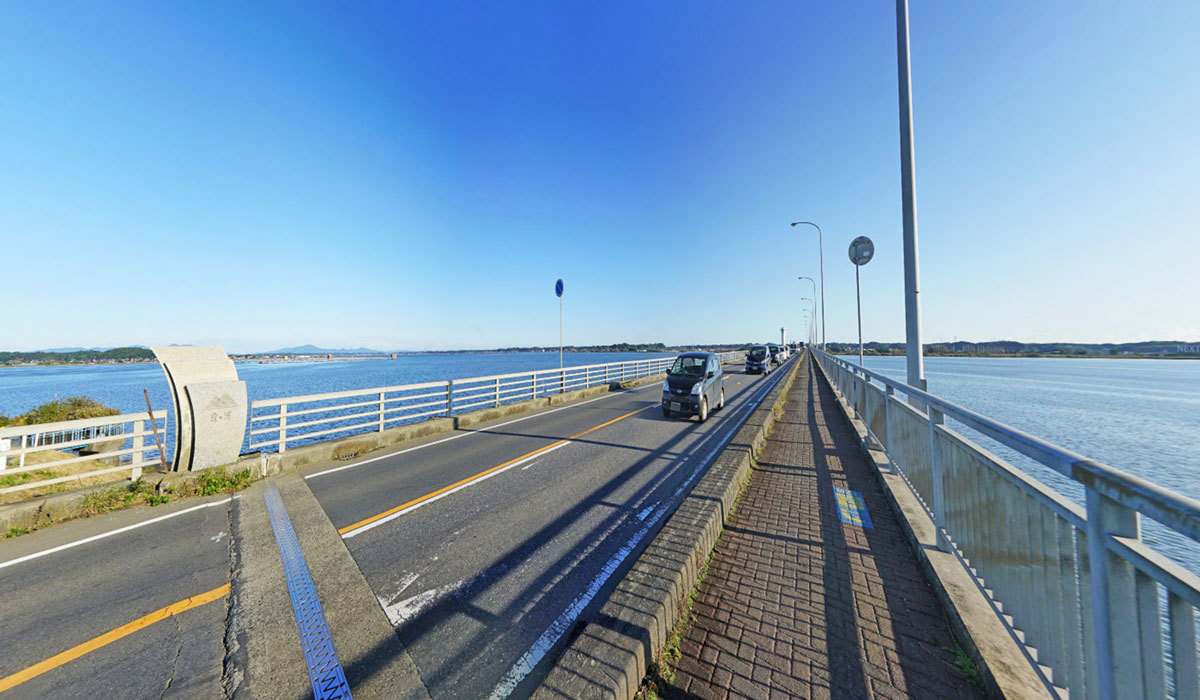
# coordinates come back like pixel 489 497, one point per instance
pixel 758 360
pixel 694 384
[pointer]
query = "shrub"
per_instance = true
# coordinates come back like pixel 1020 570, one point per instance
pixel 73 408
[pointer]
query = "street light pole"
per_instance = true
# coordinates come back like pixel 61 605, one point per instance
pixel 811 303
pixel 821 248
pixel 814 286
pixel 908 190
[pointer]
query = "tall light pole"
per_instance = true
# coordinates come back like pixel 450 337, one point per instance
pixel 821 247
pixel 908 193
pixel 812 304
pixel 814 285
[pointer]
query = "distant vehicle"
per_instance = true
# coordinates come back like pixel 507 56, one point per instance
pixel 758 360
pixel 694 385
pixel 776 354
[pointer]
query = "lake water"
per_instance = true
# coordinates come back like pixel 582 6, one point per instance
pixel 120 386
pixel 1139 416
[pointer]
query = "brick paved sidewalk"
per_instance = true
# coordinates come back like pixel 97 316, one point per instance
pixel 797 603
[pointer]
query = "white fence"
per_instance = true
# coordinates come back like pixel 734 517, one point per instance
pixel 1109 616
pixel 125 442
pixel 277 423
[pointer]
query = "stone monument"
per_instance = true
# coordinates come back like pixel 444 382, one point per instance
pixel 210 405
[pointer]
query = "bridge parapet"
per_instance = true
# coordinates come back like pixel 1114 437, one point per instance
pixel 1108 614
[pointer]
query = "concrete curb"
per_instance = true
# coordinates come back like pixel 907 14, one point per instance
pixel 1005 671
pixel 59 507
pixel 264 655
pixel 611 655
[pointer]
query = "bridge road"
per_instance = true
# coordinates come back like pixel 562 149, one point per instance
pixel 475 581
pixel 483 586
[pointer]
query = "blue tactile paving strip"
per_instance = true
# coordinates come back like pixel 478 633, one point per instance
pixel 324 669
pixel 851 507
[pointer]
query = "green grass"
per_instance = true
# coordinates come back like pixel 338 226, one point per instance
pixel 139 493
pixel 16 531
pixel 966 666
pixel 25 477
pixel 217 481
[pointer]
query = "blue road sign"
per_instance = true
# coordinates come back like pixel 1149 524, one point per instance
pixel 558 288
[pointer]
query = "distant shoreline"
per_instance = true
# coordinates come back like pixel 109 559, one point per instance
pixel 285 359
pixel 1022 355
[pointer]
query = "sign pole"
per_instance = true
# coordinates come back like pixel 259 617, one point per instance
pixel 558 291
pixel 861 251
pixel 858 293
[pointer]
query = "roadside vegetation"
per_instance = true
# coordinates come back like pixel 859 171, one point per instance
pixel 154 493
pixel 147 492
pixel 72 408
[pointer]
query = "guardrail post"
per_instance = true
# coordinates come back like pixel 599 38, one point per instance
pixel 1112 591
pixel 606 373
pixel 381 410
pixel 587 377
pixel 533 395
pixel 138 432
pixel 937 418
pixel 449 397
pixel 282 427
pixel 497 405
pixel 21 459
pixel 562 380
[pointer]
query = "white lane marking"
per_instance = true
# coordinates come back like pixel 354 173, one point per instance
pixel 400 612
pixel 456 489
pixel 110 533
pixel 530 659
pixel 469 432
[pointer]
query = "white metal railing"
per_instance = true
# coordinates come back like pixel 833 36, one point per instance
pixel 122 443
pixel 276 424
pixel 1082 586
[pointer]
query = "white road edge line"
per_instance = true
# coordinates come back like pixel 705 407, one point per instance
pixel 110 533
pixel 456 489
pixel 566 620
pixel 470 432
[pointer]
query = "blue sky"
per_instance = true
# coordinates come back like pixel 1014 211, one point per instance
pixel 417 175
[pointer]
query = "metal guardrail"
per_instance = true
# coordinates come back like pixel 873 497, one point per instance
pixel 123 443
pixel 1082 586
pixel 277 423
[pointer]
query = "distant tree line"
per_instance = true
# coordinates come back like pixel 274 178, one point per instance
pixel 1013 347
pixel 77 356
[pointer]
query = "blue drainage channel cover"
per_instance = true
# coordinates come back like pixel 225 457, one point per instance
pixel 324 669
pixel 851 507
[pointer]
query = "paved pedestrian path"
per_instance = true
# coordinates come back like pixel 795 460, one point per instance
pixel 799 602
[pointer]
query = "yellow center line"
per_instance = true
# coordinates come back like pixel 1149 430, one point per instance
pixel 483 473
pixel 109 637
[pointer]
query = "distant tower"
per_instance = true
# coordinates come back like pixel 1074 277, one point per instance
pixel 783 336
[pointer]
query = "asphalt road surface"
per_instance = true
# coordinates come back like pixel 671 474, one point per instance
pixel 484 547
